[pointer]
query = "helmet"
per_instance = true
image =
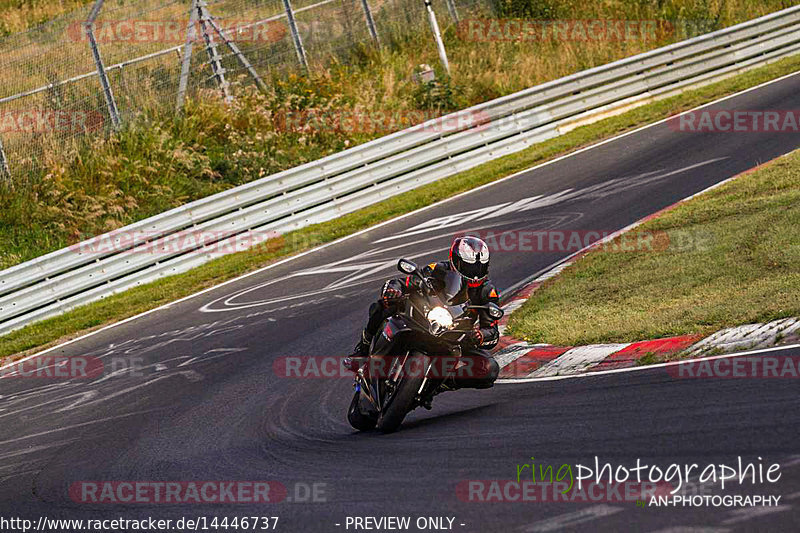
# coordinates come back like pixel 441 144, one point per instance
pixel 469 256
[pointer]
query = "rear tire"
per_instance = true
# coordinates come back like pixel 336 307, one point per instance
pixel 357 419
pixel 403 399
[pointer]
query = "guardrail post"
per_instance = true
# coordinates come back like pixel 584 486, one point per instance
pixel 298 41
pixel 191 35
pixel 4 171
pixel 451 7
pixel 213 53
pixel 370 22
pixel 438 36
pixel 237 52
pixel 101 70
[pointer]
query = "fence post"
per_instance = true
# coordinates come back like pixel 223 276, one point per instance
pixel 451 7
pixel 438 36
pixel 238 53
pixel 4 171
pixel 191 35
pixel 298 42
pixel 370 22
pixel 213 53
pixel 101 70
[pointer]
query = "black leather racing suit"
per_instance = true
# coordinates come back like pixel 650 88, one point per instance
pixel 487 334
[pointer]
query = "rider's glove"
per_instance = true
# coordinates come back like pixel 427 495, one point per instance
pixel 475 336
pixel 415 282
pixel 391 291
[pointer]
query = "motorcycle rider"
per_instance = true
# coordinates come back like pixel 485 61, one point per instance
pixel 469 257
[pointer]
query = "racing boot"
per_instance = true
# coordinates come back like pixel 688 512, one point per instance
pixel 449 384
pixel 360 354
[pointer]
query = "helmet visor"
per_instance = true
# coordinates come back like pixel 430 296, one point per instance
pixel 473 271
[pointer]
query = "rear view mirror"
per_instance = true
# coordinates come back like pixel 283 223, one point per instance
pixel 494 311
pixel 407 267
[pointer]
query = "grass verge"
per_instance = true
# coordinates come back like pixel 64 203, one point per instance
pixel 733 258
pixel 140 299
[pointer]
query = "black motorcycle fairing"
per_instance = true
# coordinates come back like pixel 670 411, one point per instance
pixel 393 327
pixel 398 332
pixel 454 289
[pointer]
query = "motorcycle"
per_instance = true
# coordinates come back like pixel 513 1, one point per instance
pixel 419 349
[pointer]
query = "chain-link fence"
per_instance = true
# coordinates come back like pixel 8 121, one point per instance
pixel 100 67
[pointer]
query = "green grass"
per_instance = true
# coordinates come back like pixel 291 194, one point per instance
pixel 733 258
pixel 158 293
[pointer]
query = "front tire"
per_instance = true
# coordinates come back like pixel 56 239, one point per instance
pixel 403 398
pixel 357 419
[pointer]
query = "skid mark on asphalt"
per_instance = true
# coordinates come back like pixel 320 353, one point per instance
pixel 572 519
pixel 66 397
pixel 595 192
pixel 24 409
pixel 372 266
pixel 75 426
pixel 750 513
pixel 87 400
pixel 692 529
pixel 34 449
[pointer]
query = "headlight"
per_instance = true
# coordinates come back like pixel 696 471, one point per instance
pixel 440 318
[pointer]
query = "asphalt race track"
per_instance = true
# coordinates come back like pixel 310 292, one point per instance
pixel 206 401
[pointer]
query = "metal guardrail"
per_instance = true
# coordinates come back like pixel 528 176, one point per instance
pixel 344 182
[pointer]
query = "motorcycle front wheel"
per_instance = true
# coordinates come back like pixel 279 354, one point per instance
pixel 401 401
